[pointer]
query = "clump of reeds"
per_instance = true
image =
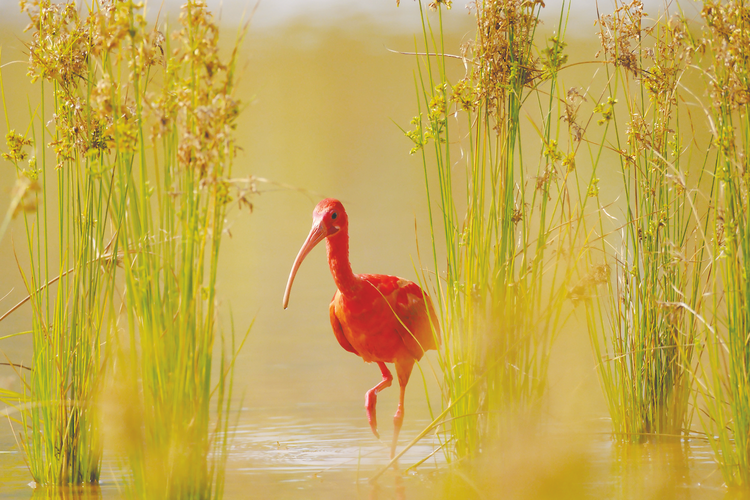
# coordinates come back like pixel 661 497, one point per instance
pixel 725 39
pixel 646 345
pixel 505 220
pixel 64 197
pixel 174 205
pixel 141 158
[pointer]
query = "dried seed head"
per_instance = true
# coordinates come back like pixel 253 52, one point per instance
pixel 585 288
pixel 726 39
pixel 620 35
pixel 503 56
pixel 16 143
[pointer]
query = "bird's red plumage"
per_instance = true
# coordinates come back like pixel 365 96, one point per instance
pixel 381 318
pixel 386 320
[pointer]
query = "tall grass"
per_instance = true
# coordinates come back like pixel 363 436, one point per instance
pixel 505 221
pixel 171 236
pixel 645 338
pixel 70 273
pixel 727 378
pixel 679 230
pixel 141 158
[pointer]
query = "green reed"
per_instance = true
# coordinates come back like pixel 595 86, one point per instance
pixel 143 146
pixel 727 378
pixel 645 337
pixel 506 219
pixel 171 237
pixel 69 275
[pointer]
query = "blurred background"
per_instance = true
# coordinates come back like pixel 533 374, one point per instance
pixel 325 91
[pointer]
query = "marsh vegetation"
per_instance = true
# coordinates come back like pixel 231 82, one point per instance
pixel 615 206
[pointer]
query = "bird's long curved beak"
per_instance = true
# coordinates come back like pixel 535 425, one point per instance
pixel 317 234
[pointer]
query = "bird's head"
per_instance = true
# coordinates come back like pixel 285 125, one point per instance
pixel 329 215
pixel 329 218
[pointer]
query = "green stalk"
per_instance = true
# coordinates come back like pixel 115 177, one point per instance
pixel 496 253
pixel 160 222
pixel 727 385
pixel 646 344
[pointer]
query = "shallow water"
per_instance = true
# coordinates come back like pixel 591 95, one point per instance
pixel 322 102
pixel 315 454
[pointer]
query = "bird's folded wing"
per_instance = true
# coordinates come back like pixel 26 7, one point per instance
pixel 408 303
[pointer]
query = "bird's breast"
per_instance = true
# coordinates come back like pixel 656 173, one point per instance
pixel 371 326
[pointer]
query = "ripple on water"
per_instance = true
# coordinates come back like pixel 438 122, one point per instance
pixel 305 446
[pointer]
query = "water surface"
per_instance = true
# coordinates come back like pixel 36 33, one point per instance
pixel 323 101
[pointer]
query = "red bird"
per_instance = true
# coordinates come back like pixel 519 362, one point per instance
pixel 380 318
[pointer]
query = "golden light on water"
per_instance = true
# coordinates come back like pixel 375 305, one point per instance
pixel 324 104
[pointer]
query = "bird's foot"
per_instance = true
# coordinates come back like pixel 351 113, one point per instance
pixel 371 399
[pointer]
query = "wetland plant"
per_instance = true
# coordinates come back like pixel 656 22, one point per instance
pixel 644 332
pixel 65 201
pixel 505 220
pixel 138 152
pixel 726 387
pixel 172 207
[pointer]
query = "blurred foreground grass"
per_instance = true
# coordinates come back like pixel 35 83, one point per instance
pixel 134 133
pixel 317 148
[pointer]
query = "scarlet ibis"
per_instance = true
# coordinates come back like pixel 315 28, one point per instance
pixel 385 319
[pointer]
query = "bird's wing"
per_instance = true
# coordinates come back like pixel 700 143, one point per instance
pixel 433 319
pixel 407 300
pixel 338 331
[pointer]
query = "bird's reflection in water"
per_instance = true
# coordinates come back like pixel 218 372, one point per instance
pixel 399 487
pixel 399 490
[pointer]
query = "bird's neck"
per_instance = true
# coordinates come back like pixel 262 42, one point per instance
pixel 338 260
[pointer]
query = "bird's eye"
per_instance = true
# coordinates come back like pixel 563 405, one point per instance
pixel 334 215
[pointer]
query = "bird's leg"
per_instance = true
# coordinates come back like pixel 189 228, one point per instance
pixel 398 419
pixel 403 371
pixel 371 398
